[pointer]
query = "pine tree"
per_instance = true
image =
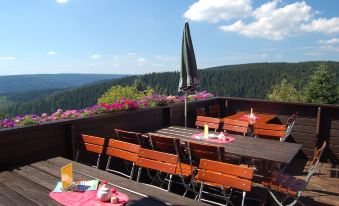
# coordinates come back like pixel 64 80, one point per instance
pixel 322 87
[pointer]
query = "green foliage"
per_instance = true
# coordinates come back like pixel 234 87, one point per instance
pixel 322 87
pixel 137 91
pixel 285 91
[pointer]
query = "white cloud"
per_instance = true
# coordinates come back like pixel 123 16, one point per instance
pixel 216 10
pixel 322 25
pixel 141 61
pixel 272 22
pixel 62 1
pixel 96 56
pixel 131 54
pixel 7 58
pixel 51 53
pixel 329 42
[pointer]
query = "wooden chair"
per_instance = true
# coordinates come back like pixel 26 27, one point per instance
pixel 213 123
pixel 171 145
pixel 235 126
pixel 290 186
pixel 224 176
pixel 159 161
pixel 122 150
pixel 281 131
pixel 197 151
pixel 127 136
pixel 214 110
pixel 92 144
pixel 201 112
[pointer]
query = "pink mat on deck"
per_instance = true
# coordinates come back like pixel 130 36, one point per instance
pixel 247 117
pixel 201 137
pixel 88 198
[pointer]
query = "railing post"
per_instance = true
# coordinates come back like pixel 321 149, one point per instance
pixel 317 131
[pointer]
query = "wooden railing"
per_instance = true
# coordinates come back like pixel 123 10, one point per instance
pixel 315 124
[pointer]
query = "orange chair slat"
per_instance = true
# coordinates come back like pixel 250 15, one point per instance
pixel 225 168
pixel 235 128
pixel 132 157
pixel 92 148
pixel 93 139
pixel 271 133
pixel 158 156
pixel 234 122
pixel 156 165
pixel 225 180
pixel 277 127
pixel 208 119
pixel 124 145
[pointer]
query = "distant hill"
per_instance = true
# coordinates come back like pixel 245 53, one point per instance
pixel 246 80
pixel 22 83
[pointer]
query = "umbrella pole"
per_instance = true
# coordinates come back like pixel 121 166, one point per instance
pixel 185 108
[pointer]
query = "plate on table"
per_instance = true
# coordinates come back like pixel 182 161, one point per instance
pixel 212 136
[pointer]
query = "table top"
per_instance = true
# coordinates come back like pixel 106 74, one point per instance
pixel 245 146
pixel 31 184
pixel 262 118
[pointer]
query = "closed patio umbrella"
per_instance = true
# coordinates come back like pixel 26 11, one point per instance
pixel 188 73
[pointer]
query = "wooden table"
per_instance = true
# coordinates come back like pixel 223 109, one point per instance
pixel 31 184
pixel 262 118
pixel 244 146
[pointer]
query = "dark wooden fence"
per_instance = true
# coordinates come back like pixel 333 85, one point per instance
pixel 315 124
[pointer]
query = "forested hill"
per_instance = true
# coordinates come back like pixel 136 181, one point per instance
pixel 21 83
pixel 246 80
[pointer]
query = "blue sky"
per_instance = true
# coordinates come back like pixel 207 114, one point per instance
pixel 143 36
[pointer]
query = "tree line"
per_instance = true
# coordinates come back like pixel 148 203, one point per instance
pixel 245 80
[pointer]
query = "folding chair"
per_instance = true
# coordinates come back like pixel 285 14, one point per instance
pixel 213 123
pixel 91 144
pixel 159 161
pixel 127 136
pixel 122 150
pixel 214 110
pixel 197 151
pixel 290 186
pixel 281 131
pixel 171 145
pixel 224 176
pixel 237 126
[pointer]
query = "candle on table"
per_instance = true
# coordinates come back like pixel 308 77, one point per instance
pixel 206 131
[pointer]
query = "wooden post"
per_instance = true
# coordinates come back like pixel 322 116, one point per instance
pixel 317 131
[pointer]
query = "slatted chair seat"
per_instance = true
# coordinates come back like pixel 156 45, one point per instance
pixel 213 123
pixel 224 175
pixel 123 150
pixel 289 185
pixel 237 126
pixel 91 144
pixel 159 161
pixel 171 145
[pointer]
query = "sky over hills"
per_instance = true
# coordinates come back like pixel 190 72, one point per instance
pixel 136 37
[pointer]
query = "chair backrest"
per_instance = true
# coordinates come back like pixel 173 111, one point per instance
pixel 290 123
pixel 200 112
pixel 164 143
pixel 91 143
pixel 123 150
pixel 197 151
pixel 213 123
pixel 160 161
pixel 315 160
pixel 235 125
pixel 127 136
pixel 226 174
pixel 214 110
pixel 270 130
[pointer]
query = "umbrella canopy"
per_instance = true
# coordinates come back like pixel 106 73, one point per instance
pixel 188 74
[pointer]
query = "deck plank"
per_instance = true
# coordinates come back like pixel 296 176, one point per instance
pixel 9 197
